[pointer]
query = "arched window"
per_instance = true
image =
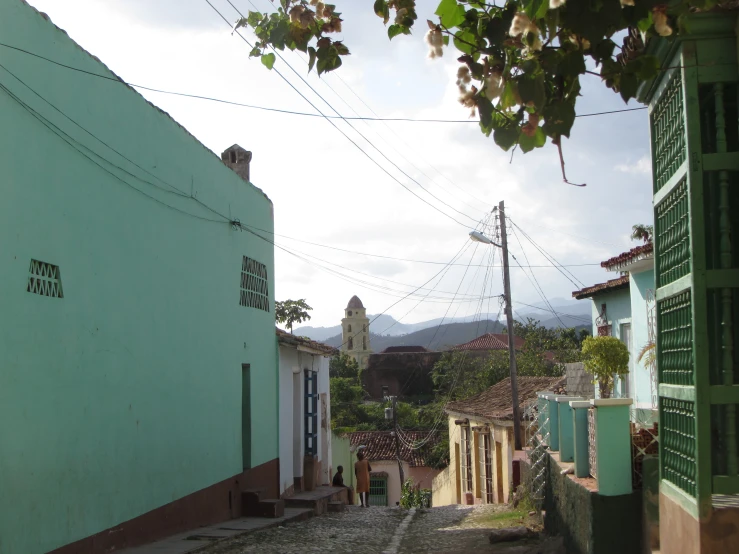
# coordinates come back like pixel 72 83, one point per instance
pixel 349 313
pixel 364 328
pixel 351 343
pixel 364 343
pixel 349 329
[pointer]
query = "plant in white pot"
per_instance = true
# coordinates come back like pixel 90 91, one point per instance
pixel 604 358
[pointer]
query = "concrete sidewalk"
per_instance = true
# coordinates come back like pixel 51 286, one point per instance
pixel 202 537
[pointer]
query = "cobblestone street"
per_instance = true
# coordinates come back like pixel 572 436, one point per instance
pixel 377 530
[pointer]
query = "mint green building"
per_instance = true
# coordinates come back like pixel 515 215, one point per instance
pixel 138 358
pixel 624 308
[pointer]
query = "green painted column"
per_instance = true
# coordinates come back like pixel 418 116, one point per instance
pixel 553 422
pixel 566 428
pixel 613 446
pixel 543 414
pixel 579 409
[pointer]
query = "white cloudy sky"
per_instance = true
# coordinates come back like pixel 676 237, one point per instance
pixel 326 191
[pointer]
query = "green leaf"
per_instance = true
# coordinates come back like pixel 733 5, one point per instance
pixel 535 9
pixel 528 143
pixel 451 13
pixel 445 40
pixel 464 41
pixel 509 96
pixel 394 30
pixel 253 18
pixel 572 64
pixel 268 60
pixel 382 10
pixel 311 58
pixel 485 109
pixel 505 137
pixel 559 119
pixel 531 89
pixel 628 86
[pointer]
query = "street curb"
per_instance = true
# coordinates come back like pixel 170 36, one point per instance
pixel 294 519
pixel 392 547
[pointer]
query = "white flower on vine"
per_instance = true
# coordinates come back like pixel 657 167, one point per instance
pixel 319 8
pixel 554 4
pixel 399 15
pixel 467 99
pixel 435 41
pixel 581 42
pixel 521 24
pixel 313 2
pixel 627 3
pixel 660 22
pixel 463 76
pixel 494 85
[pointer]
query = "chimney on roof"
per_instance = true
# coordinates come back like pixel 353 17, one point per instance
pixel 239 160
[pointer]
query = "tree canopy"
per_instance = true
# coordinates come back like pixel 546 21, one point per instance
pixel 290 312
pixel 520 61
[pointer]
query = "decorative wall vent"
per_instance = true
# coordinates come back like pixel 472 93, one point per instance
pixel 254 286
pixel 44 279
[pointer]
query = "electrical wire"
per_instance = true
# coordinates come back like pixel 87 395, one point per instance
pixel 391 257
pixel 551 259
pixel 380 166
pixel 268 109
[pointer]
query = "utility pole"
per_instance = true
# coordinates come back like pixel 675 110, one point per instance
pixel 397 440
pixel 509 321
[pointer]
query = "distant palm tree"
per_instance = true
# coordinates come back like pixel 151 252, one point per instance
pixel 642 232
pixel 648 354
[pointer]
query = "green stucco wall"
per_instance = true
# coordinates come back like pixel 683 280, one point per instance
pixel 125 394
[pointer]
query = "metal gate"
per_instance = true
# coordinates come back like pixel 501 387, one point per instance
pixel 378 491
pixel 310 413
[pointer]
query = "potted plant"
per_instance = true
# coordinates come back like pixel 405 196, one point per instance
pixel 605 357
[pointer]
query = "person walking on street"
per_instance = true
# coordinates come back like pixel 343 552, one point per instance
pixel 362 471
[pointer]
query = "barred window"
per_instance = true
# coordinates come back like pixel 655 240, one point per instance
pixel 254 285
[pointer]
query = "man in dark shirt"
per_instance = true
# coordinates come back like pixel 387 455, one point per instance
pixel 339 477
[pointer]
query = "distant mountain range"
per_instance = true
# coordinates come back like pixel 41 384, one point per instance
pixel 385 331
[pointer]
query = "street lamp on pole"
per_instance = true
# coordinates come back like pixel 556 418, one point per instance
pixel 479 237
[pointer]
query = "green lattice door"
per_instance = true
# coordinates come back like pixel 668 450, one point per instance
pixel 694 121
pixel 378 491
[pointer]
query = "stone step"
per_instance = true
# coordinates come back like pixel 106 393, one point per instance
pixel 336 506
pixel 250 499
pixel 271 507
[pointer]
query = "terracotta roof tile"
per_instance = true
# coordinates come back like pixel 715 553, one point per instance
pixel 643 251
pixel 496 402
pixel 609 286
pixel 490 341
pixel 381 445
pixel 289 339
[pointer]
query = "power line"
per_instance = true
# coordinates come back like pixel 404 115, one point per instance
pixel 535 282
pixel 551 259
pixel 265 108
pixel 355 130
pixel 392 257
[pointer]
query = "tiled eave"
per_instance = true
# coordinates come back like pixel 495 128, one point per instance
pixel 602 288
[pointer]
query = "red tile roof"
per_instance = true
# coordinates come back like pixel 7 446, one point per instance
pixel 381 445
pixel 640 252
pixel 490 341
pixel 289 339
pixel 609 286
pixel 496 402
